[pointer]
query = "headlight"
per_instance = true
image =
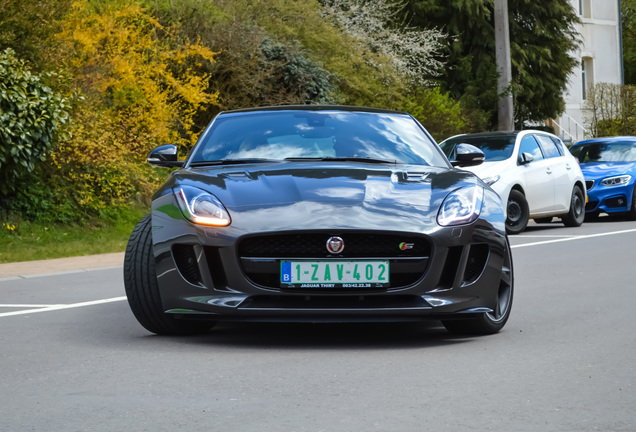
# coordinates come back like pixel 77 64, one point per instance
pixel 491 180
pixel 201 207
pixel 461 206
pixel 616 180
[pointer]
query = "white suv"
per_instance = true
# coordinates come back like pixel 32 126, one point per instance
pixel 533 171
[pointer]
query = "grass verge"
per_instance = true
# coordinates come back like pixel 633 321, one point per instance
pixel 29 241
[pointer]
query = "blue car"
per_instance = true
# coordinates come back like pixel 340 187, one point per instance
pixel 609 168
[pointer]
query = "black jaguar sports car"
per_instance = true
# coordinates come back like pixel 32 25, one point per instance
pixel 319 214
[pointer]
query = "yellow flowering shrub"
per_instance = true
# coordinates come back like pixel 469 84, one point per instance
pixel 143 84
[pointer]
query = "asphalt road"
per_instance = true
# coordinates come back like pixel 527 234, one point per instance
pixel 74 359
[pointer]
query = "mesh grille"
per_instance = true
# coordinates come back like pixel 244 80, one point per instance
pixel 186 260
pixel 477 259
pixel 313 245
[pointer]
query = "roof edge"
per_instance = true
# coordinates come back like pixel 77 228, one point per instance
pixel 351 108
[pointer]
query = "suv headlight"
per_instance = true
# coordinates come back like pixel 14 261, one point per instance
pixel 461 206
pixel 201 207
pixel 616 180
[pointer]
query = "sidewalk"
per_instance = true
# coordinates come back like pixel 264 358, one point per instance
pixel 61 265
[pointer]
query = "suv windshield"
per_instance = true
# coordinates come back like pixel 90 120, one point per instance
pixel 495 148
pixel 308 134
pixel 605 152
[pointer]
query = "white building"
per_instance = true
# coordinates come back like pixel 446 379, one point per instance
pixel 601 59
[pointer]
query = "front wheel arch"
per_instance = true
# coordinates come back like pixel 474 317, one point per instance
pixel 517 212
pixel 142 289
pixel 492 322
pixel 576 214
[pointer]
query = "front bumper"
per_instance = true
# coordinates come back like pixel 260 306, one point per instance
pixel 206 273
pixel 609 199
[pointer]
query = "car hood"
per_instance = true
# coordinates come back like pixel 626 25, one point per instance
pixel 324 195
pixel 600 170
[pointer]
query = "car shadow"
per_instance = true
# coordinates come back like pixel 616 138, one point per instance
pixel 534 227
pixel 557 224
pixel 327 336
pixel 604 218
pixel 258 335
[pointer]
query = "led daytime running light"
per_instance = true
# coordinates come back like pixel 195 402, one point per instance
pixel 190 213
pixel 616 180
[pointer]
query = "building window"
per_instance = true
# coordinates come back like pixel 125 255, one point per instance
pixel 583 79
pixel 587 76
pixel 585 8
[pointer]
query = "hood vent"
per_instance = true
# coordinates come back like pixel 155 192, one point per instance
pixel 415 177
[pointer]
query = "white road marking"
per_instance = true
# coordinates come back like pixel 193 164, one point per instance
pixel 545 235
pixel 28 305
pixel 582 237
pixel 60 307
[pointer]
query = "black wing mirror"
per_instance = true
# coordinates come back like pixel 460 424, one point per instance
pixel 165 156
pixel 525 158
pixel 467 155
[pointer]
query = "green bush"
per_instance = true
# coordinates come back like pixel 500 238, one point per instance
pixel 252 66
pixel 302 79
pixel 438 112
pixel 32 120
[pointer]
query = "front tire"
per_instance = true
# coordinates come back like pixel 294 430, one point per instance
pixel 142 290
pixel 493 322
pixel 576 215
pixel 518 213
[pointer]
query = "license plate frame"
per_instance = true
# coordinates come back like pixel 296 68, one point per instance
pixel 334 274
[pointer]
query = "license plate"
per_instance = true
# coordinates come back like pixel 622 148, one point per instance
pixel 334 274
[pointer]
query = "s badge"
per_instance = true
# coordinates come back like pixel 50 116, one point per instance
pixel 406 246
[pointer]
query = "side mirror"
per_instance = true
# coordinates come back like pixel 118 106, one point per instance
pixel 467 155
pixel 525 158
pixel 165 156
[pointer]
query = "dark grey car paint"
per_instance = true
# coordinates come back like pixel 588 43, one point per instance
pixel 334 198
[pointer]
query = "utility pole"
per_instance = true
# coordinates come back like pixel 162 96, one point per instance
pixel 502 48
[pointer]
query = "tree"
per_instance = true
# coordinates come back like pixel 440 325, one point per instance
pixel 612 110
pixel 26 27
pixel 628 12
pixel 542 38
pixel 411 51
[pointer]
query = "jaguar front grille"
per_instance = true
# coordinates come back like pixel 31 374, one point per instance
pixel 408 255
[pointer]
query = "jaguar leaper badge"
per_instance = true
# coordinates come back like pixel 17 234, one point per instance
pixel 335 245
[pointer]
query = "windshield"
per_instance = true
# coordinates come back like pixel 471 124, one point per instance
pixel 307 134
pixel 495 148
pixel 620 151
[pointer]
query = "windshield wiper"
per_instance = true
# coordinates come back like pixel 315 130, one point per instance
pixel 230 162
pixel 343 159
